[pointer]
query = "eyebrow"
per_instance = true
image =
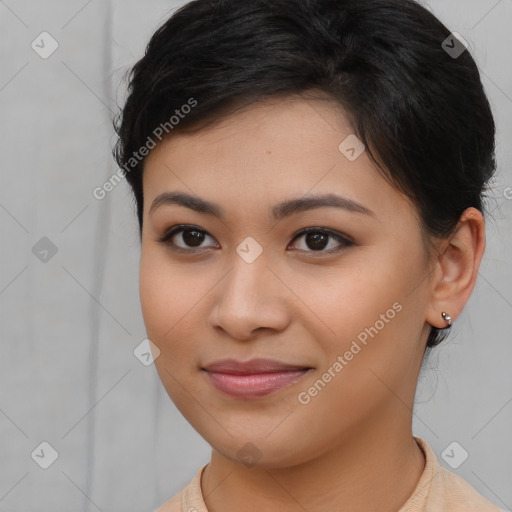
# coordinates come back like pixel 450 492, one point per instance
pixel 278 212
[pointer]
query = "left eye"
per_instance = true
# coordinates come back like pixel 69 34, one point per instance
pixel 315 239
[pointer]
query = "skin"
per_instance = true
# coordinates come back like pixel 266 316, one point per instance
pixel 352 442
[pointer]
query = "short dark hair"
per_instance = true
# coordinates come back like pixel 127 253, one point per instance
pixel 421 112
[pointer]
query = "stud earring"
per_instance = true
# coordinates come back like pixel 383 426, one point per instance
pixel 447 318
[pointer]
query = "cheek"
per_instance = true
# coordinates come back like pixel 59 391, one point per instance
pixel 368 308
pixel 171 298
pixel 165 301
pixel 369 353
pixel 154 299
pixel 352 298
pixel 166 296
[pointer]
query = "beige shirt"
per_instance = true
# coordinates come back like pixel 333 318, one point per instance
pixel 438 490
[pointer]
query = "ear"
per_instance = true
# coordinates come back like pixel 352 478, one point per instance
pixel 456 268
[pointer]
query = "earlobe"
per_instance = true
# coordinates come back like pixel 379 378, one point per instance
pixel 447 318
pixel 457 269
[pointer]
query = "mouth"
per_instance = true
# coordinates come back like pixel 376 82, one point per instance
pixel 253 379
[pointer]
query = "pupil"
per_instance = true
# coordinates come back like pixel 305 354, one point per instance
pixel 316 240
pixel 190 236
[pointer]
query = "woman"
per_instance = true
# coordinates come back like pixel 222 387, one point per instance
pixel 308 178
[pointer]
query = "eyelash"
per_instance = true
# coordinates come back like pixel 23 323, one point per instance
pixel 166 238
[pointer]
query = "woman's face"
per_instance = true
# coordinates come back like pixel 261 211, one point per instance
pixel 344 306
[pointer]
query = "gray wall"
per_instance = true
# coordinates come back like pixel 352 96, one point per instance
pixel 70 321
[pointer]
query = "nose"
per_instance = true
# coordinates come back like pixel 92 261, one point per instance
pixel 250 299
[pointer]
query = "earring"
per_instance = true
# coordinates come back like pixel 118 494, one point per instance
pixel 447 318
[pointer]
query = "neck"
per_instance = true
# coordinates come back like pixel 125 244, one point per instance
pixel 357 473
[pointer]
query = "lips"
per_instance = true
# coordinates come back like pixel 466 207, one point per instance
pixel 253 378
pixel 253 366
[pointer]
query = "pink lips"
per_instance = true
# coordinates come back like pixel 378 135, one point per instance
pixel 254 378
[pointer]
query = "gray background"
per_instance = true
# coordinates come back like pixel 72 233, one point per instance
pixel 68 375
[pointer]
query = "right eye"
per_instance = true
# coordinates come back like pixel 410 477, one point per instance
pixel 190 236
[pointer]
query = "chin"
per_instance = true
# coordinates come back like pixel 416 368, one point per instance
pixel 260 451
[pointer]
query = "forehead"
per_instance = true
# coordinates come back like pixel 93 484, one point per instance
pixel 267 152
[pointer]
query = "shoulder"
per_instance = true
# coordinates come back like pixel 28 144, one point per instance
pixel 457 494
pixel 171 505
pixel 187 499
pixel 441 490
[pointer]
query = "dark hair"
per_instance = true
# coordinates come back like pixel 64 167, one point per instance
pixel 420 110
